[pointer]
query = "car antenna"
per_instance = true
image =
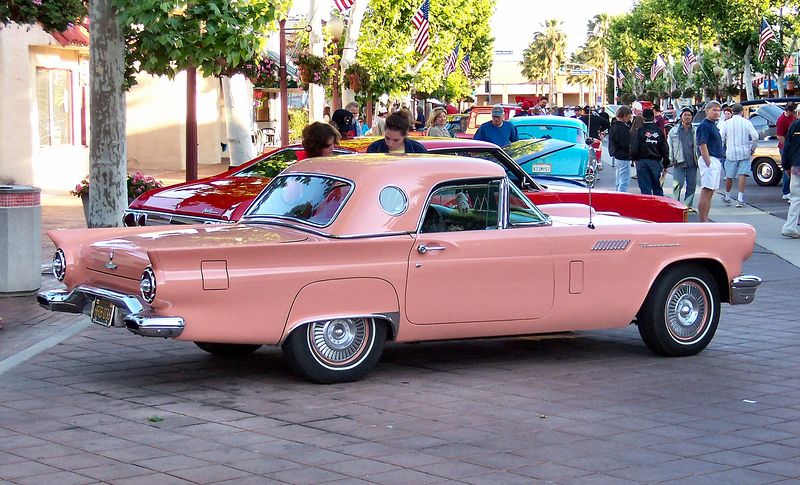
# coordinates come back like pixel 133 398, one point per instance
pixel 589 178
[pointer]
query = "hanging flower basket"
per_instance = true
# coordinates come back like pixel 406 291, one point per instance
pixel 357 78
pixel 313 69
pixel 261 71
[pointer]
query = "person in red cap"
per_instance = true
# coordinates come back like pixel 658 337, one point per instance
pixel 526 109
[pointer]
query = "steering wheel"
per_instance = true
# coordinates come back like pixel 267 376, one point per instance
pixel 433 221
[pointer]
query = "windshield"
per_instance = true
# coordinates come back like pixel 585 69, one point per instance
pixel 270 166
pixel 522 148
pixel 566 133
pixel 770 112
pixel 308 198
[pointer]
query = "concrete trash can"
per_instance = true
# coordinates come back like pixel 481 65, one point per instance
pixel 20 240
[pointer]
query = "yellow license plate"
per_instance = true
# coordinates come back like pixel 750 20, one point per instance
pixel 103 312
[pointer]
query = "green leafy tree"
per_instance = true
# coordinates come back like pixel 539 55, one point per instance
pixel 385 46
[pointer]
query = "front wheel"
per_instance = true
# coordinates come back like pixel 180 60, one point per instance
pixel 681 313
pixel 338 350
pixel 766 172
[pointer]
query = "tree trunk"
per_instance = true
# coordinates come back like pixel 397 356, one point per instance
pixel 779 80
pixel 108 164
pixel 238 119
pixel 748 72
pixel 728 82
pixel 350 44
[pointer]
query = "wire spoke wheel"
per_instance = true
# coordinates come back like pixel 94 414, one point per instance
pixel 680 314
pixel 338 343
pixel 687 311
pixel 335 350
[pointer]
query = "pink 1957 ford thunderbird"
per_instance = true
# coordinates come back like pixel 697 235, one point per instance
pixel 338 255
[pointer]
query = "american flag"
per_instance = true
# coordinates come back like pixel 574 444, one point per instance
pixel 689 60
pixel 420 21
pixel 767 34
pixel 620 77
pixel 466 65
pixel 638 74
pixel 658 66
pixel 450 62
pixel 343 5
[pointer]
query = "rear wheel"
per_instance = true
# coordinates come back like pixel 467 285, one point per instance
pixel 338 350
pixel 681 313
pixel 766 172
pixel 228 350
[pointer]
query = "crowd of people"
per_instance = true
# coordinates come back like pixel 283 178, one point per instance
pixel 719 148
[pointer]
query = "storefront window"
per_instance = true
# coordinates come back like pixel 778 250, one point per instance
pixel 54 100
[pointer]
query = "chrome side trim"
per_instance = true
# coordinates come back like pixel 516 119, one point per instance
pixel 80 298
pixel 611 245
pixel 154 218
pixel 743 289
pixel 147 325
pixel 392 317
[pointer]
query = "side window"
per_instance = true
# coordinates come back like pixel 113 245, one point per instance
pixel 461 206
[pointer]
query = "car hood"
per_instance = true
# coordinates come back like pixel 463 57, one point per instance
pixel 207 198
pixel 128 252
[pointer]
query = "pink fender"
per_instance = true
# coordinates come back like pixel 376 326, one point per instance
pixel 356 297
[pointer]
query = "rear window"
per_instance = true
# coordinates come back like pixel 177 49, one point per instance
pixel 311 199
pixel 270 166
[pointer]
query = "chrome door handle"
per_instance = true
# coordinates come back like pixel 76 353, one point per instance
pixel 422 249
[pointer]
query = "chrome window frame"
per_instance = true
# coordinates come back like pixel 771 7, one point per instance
pixel 546 219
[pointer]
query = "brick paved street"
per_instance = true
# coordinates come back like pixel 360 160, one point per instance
pixel 105 406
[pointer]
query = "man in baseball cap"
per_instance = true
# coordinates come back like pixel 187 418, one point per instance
pixel 497 131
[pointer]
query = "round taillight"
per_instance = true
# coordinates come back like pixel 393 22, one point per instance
pixel 147 285
pixel 129 219
pixel 141 220
pixel 59 265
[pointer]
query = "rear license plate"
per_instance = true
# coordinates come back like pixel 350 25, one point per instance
pixel 540 168
pixel 103 312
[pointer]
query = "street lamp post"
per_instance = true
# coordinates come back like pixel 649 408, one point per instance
pixel 335 28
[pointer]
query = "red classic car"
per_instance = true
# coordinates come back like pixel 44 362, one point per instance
pixel 337 255
pixel 225 197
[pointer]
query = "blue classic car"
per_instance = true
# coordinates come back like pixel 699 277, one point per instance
pixel 572 160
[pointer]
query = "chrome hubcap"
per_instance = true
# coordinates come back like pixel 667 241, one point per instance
pixel 338 342
pixel 687 311
pixel 766 172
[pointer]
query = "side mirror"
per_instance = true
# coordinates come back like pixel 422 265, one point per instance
pixel 589 178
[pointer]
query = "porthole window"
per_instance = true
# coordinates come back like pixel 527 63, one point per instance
pixel 393 200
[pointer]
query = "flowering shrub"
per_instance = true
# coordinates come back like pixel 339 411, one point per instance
pixel 138 184
pixel 314 69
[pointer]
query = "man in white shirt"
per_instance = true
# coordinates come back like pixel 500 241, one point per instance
pixel 739 137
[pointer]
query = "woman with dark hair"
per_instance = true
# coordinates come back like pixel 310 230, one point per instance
pixel 395 137
pixel 318 140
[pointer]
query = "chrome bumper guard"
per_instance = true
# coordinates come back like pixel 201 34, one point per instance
pixel 743 289
pixel 130 313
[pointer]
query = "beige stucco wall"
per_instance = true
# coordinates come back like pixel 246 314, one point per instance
pixel 22 159
pixel 156 114
pixel 156 124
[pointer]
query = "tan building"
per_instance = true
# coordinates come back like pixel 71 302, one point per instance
pixel 507 83
pixel 44 128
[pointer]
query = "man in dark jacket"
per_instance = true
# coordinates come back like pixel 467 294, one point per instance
pixel 791 163
pixel 395 137
pixel 594 122
pixel 650 151
pixel 619 147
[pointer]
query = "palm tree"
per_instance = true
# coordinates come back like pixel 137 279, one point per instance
pixel 596 50
pixel 534 64
pixel 553 44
